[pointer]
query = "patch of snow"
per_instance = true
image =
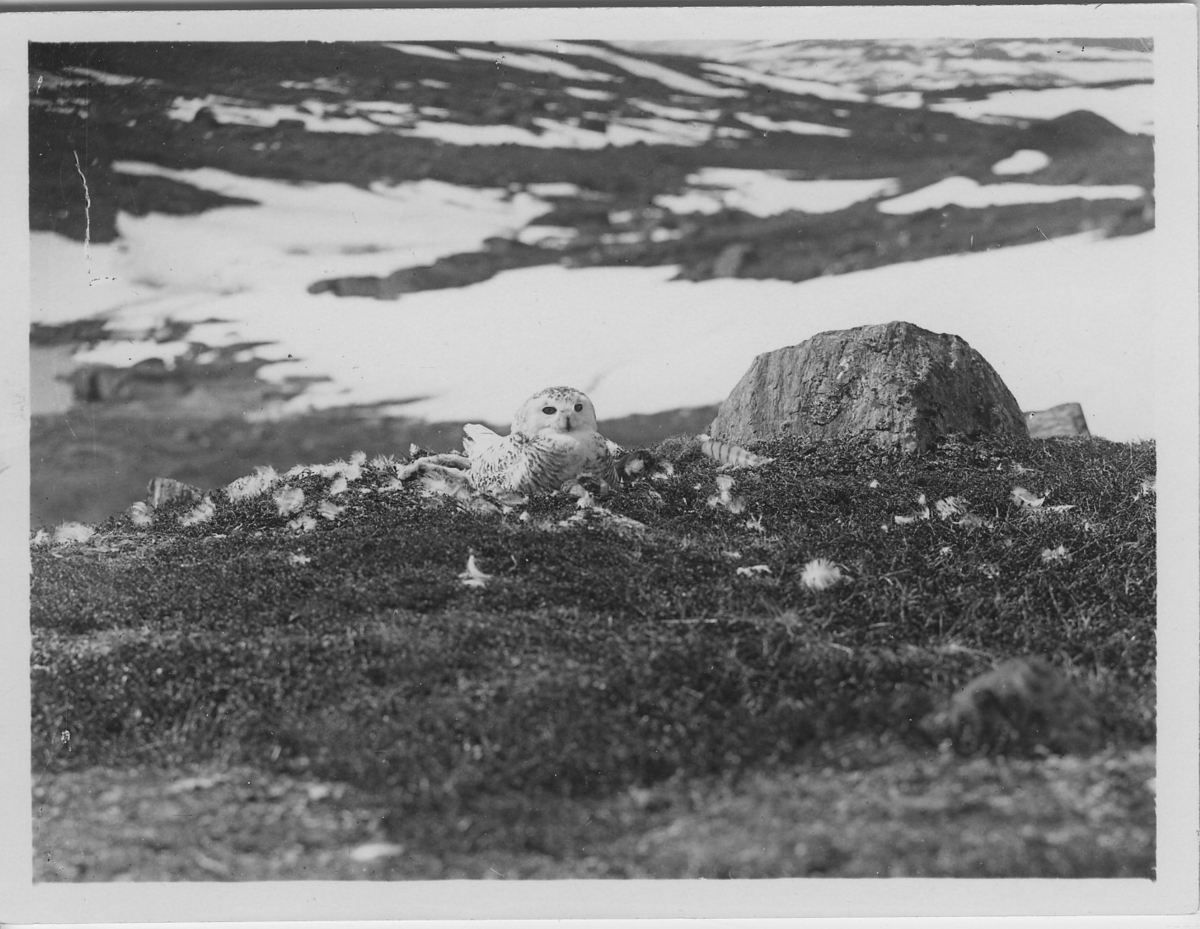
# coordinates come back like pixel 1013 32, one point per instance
pixel 554 189
pixel 692 346
pixel 322 83
pixel 875 67
pixel 585 93
pixel 390 119
pixel 314 114
pixel 1025 161
pixel 70 282
pixel 658 132
pixel 962 191
pixel 1057 319
pixel 902 99
pixel 1069 51
pixel 1061 321
pixel 676 112
pixel 635 66
pixel 43 80
pixel 792 85
pixel 124 352
pixel 384 106
pixel 620 132
pixel 540 63
pixel 791 125
pixel 766 193
pixel 112 80
pixel 426 51
pixel 547 236
pixel 1131 108
pixel 462 134
pixel 184 267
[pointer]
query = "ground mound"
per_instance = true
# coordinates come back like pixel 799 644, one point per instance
pixel 582 687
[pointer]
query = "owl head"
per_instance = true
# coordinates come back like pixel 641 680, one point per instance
pixel 557 409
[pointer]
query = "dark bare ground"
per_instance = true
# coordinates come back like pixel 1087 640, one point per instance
pixel 910 815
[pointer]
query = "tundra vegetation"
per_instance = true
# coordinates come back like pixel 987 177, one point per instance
pixel 710 673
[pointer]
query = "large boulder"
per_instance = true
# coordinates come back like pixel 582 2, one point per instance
pixel 1064 420
pixel 897 383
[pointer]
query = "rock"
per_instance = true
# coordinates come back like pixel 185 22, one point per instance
pixel 1066 419
pixel 96 383
pixel 206 117
pixel 162 490
pixel 147 380
pixel 731 259
pixel 896 383
pixel 1022 707
pixel 1079 129
pixel 451 271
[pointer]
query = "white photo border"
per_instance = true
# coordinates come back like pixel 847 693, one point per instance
pixel 1171 297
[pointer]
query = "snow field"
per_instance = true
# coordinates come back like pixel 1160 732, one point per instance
pixel 1063 320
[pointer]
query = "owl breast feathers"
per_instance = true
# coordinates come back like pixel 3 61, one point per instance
pixel 553 442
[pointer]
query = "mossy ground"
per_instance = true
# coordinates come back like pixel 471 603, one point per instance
pixel 612 701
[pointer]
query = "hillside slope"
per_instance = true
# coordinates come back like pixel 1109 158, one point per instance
pixel 684 679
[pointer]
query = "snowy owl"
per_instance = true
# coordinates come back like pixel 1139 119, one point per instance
pixel 553 442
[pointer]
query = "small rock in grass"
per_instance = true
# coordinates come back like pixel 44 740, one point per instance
pixel 1065 420
pixel 164 489
pixel 1020 708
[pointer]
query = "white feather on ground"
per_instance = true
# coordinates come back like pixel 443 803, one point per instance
pixel 73 532
pixel 201 513
pixel 473 576
pixel 252 484
pixel 820 574
pixel 289 500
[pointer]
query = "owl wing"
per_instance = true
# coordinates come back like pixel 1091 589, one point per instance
pixel 545 461
pixel 519 464
pixel 476 438
pixel 603 461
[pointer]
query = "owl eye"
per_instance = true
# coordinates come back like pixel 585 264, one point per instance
pixel 578 407
pixel 548 410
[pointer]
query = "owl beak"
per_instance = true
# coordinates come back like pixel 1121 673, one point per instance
pixel 565 422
